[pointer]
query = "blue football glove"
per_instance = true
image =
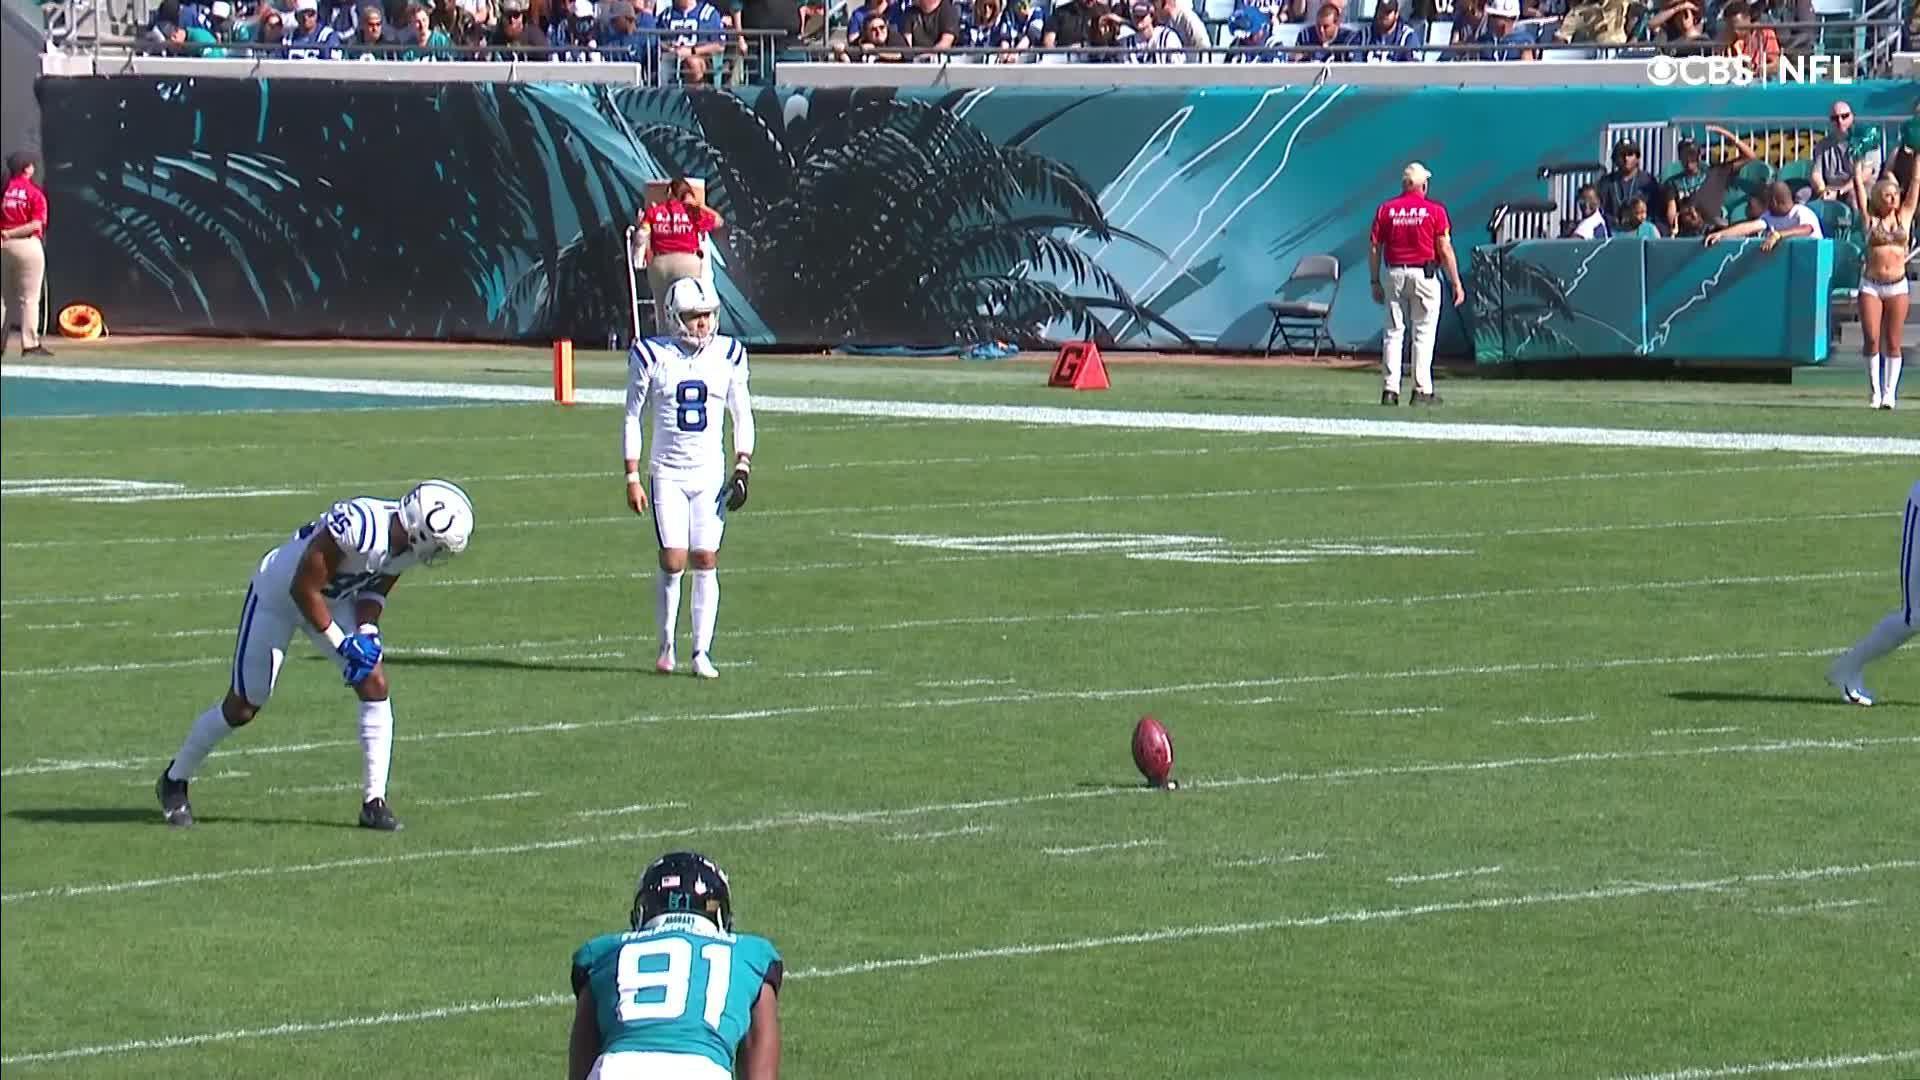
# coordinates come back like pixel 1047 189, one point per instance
pixel 362 654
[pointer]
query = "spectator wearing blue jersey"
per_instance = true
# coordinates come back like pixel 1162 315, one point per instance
pixel 1325 31
pixel 1389 38
pixel 694 34
pixel 1251 30
pixel 622 39
pixel 1501 36
pixel 311 38
pixel 576 31
pixel 990 26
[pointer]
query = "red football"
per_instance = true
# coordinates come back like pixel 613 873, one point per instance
pixel 1153 750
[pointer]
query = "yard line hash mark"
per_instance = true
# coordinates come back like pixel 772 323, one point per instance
pixel 1164 935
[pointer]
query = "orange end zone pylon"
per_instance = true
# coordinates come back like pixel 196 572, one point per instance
pixel 563 371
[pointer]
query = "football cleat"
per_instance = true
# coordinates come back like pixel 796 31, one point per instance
pixel 1425 398
pixel 1389 397
pixel 172 793
pixel 376 814
pixel 665 664
pixel 1849 685
pixel 703 667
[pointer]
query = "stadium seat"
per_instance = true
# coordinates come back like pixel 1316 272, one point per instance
pixel 1835 9
pixel 1439 33
pixel 1285 34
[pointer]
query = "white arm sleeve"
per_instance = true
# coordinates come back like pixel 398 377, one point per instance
pixel 631 443
pixel 740 407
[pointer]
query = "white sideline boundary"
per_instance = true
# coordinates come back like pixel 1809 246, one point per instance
pixel 1051 416
pixel 1164 935
pixel 830 819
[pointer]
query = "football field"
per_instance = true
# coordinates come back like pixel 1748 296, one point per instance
pixel 1498 759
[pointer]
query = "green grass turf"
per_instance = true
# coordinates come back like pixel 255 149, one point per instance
pixel 817 786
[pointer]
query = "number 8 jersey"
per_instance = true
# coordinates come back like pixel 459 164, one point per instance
pixel 677 986
pixel 682 390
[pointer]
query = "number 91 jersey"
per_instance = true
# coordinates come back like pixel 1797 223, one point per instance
pixel 680 986
pixel 683 391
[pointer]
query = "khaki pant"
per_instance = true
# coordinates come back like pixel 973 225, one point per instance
pixel 1604 22
pixel 1412 298
pixel 662 272
pixel 23 263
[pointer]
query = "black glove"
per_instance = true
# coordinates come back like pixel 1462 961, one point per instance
pixel 737 490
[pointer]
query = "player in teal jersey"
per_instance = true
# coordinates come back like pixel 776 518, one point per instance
pixel 681 996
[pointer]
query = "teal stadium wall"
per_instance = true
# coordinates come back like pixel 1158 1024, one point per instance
pixel 1151 218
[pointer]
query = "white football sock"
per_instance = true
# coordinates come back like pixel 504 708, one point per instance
pixel 1873 374
pixel 376 744
pixel 668 604
pixel 207 732
pixel 1892 381
pixel 706 608
pixel 1891 633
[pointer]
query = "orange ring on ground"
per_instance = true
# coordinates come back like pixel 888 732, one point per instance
pixel 82 322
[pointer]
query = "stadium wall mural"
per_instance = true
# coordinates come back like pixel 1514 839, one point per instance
pixel 1146 218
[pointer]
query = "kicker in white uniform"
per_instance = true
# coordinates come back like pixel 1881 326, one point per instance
pixel 335 570
pixel 679 384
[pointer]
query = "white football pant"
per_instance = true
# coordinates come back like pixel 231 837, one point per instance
pixel 689 512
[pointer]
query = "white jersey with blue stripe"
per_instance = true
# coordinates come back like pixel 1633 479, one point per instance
pixel 678 389
pixel 363 530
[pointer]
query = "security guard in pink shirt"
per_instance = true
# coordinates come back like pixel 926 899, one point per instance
pixel 1411 234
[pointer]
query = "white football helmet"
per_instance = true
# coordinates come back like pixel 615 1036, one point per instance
pixel 438 518
pixel 691 296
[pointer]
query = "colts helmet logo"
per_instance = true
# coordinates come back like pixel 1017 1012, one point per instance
pixel 437 528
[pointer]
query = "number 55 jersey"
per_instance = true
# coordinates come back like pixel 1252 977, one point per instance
pixel 678 986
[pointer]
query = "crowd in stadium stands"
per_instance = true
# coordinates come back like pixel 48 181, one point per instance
pixel 692 34
pixel 1727 183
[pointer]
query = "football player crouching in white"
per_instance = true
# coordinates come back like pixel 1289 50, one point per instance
pixel 337 568
pixel 677 381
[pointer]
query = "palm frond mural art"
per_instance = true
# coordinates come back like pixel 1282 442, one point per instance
pixel 1139 217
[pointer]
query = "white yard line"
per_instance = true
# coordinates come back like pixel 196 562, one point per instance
pixel 270 536
pixel 840 673
pixel 1696 731
pixel 814 819
pixel 463 800
pixel 1050 416
pixel 1824 905
pixel 1575 718
pixel 64 765
pixel 942 834
pixel 1276 860
pixel 1268 700
pixel 1762 1068
pixel 636 808
pixel 1090 849
pixel 1404 710
pixel 1444 875
pixel 954 684
pixel 1391 600
pixel 1163 935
